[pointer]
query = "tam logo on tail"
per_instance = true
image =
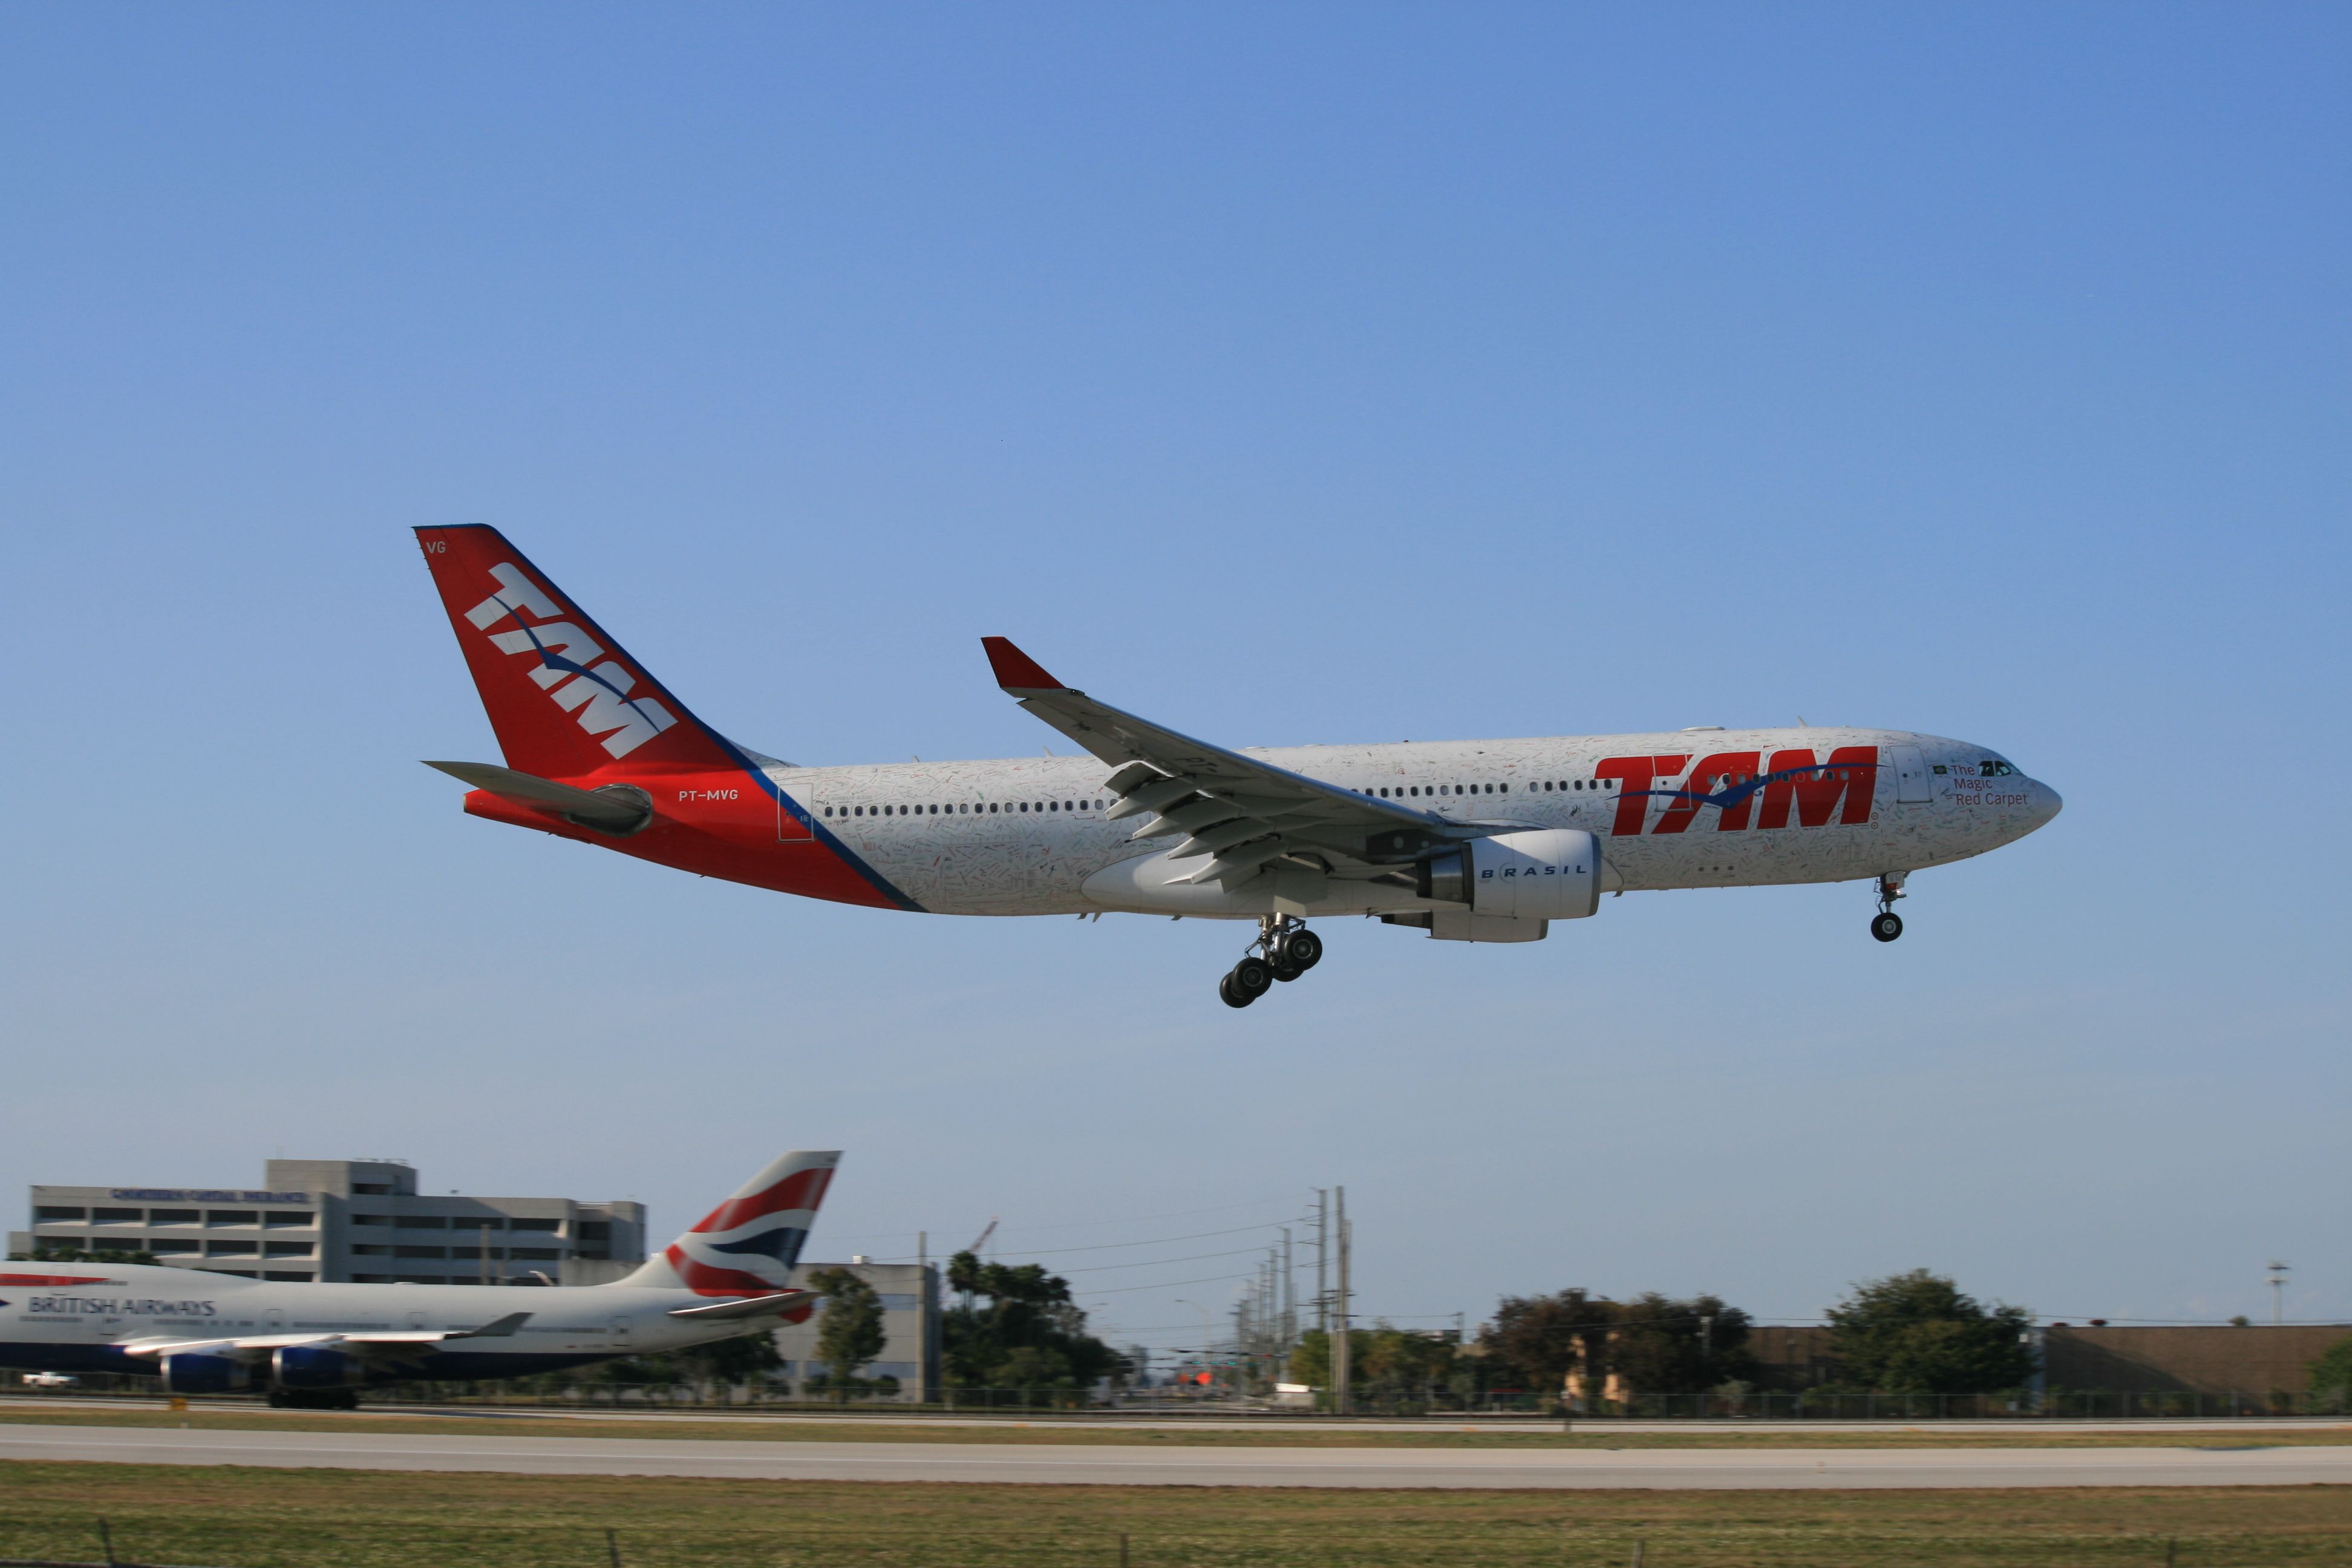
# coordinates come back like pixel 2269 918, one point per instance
pixel 568 668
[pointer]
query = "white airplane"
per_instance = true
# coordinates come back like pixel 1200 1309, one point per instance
pixel 316 1345
pixel 1468 840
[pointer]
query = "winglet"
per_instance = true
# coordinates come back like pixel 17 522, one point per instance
pixel 1016 670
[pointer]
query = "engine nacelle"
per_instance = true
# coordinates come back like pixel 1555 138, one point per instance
pixel 205 1374
pixel 315 1366
pixel 1545 874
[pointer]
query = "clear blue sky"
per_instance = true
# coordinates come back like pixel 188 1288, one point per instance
pixel 1291 373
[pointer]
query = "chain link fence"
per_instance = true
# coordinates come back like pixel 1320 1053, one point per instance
pixel 114 1543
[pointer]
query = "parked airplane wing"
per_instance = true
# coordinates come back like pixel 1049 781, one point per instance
pixel 1238 813
pixel 250 1345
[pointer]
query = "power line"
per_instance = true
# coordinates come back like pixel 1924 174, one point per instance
pixel 1170 1285
pixel 1155 1241
pixel 1156 1262
pixel 1146 1218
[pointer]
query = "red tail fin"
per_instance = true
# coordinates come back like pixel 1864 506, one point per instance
pixel 564 698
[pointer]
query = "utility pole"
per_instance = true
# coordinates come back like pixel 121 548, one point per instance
pixel 1270 1271
pixel 1289 1296
pixel 1322 1254
pixel 1341 1349
pixel 2278 1293
pixel 926 1385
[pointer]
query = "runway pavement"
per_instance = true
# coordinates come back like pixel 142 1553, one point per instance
pixel 1107 1464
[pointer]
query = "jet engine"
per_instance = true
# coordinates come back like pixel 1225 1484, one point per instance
pixel 315 1366
pixel 1545 874
pixel 206 1374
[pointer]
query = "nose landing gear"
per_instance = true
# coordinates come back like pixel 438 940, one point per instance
pixel 1289 949
pixel 1886 925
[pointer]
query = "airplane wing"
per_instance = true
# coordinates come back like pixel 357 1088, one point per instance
pixel 248 1347
pixel 1239 814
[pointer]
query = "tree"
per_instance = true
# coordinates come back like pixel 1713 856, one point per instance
pixel 1016 1327
pixel 851 1334
pixel 746 1358
pixel 2331 1373
pixel 1664 1346
pixel 81 1255
pixel 1917 1334
pixel 1384 1363
pixel 1545 1337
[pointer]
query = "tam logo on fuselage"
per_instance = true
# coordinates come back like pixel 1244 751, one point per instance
pixel 1741 784
pixel 567 667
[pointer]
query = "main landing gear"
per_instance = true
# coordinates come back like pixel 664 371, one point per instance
pixel 1886 925
pixel 1285 950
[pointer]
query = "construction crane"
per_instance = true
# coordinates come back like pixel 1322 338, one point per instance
pixel 975 1247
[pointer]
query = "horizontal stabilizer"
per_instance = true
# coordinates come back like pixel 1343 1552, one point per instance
pixel 613 812
pixel 756 1307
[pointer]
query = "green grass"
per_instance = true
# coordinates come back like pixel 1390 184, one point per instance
pixel 233 1518
pixel 868 1430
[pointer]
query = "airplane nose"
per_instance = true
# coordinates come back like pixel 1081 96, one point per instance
pixel 2046 803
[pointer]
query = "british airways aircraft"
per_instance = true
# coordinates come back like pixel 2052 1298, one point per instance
pixel 316 1345
pixel 1468 840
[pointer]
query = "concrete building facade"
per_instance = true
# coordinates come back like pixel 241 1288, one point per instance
pixel 356 1221
pixel 910 1322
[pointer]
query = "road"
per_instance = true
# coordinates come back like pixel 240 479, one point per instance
pixel 2249 1429
pixel 1104 1465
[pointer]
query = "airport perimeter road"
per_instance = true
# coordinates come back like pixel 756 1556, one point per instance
pixel 2247 1429
pixel 1107 1465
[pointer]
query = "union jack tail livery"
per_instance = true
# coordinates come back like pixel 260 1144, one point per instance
pixel 316 1345
pixel 748 1244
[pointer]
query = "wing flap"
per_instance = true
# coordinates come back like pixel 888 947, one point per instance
pixel 1242 812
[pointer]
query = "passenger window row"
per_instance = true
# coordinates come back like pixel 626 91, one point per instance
pixel 1386 792
pixel 1405 792
pixel 965 808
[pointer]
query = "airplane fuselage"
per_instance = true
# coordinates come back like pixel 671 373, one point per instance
pixel 81 1317
pixel 1469 840
pixel 1032 835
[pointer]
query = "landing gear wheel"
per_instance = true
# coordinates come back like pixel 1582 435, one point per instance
pixel 1253 977
pixel 1232 997
pixel 1886 925
pixel 1284 969
pixel 1302 949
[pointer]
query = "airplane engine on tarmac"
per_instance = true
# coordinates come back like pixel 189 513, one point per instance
pixel 205 1374
pixel 313 1366
pixel 1548 874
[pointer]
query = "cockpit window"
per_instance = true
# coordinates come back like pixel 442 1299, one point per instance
pixel 1994 768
